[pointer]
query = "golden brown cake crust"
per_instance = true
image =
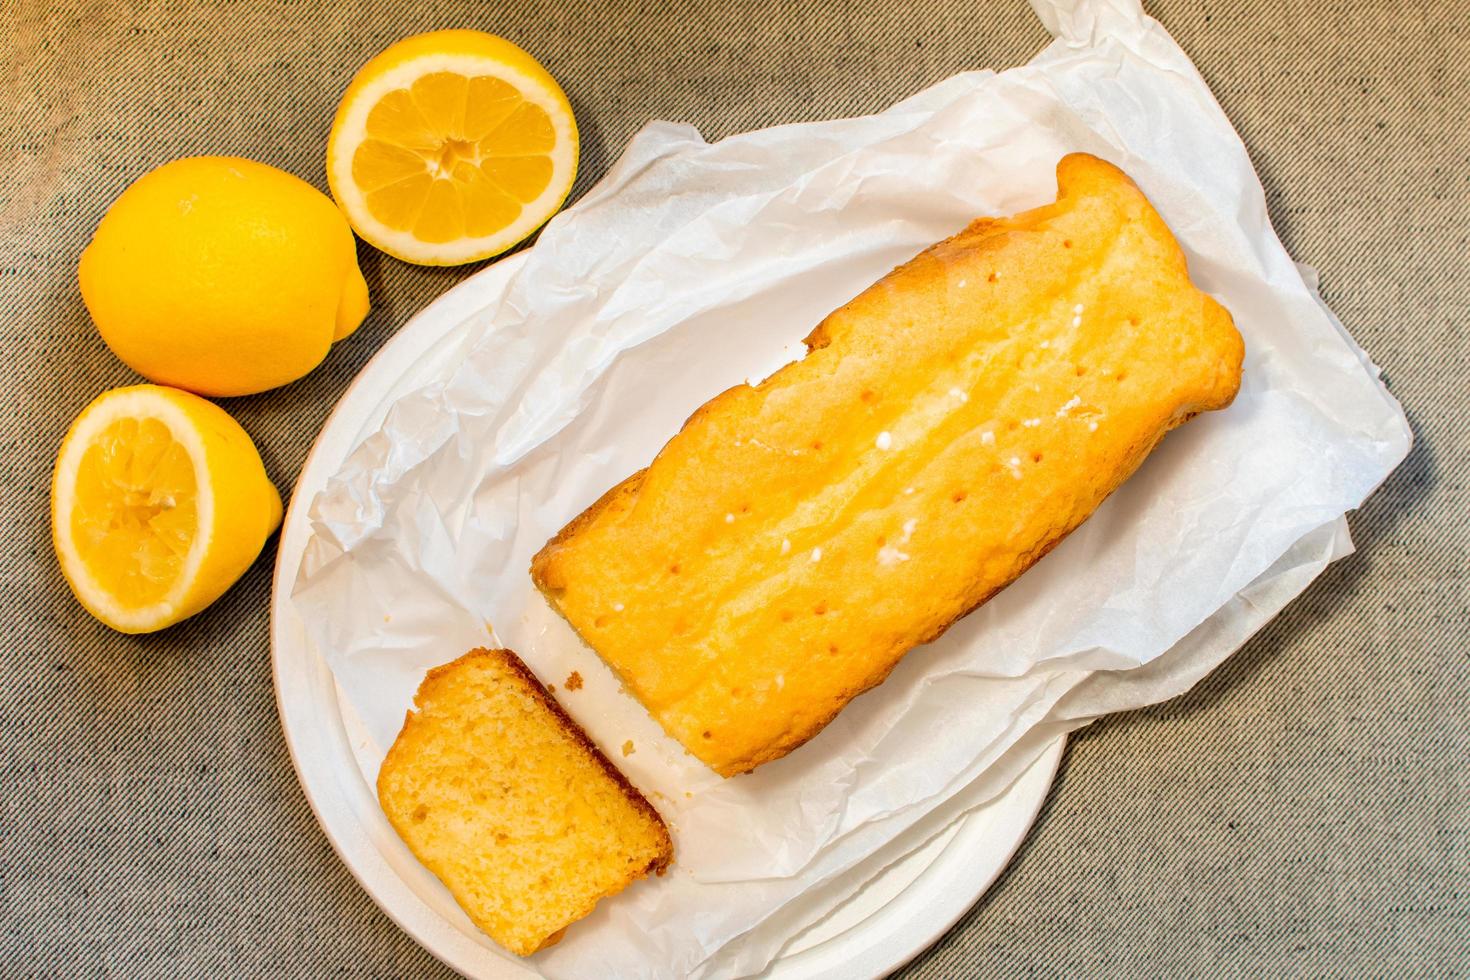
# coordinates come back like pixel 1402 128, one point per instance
pixel 1070 340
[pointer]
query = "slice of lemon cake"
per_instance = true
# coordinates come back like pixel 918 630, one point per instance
pixel 503 797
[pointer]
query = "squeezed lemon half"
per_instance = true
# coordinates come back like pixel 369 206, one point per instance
pixel 451 147
pixel 159 502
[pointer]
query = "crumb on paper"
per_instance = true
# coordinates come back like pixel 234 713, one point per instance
pixel 628 748
pixel 550 688
pixel 573 681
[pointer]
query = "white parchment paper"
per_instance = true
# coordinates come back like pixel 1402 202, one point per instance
pixel 695 266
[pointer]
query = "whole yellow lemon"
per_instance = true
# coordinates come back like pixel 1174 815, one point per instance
pixel 222 276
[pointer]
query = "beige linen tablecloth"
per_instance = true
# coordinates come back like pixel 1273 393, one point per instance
pixel 1304 811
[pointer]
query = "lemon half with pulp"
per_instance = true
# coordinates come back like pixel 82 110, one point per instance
pixel 451 147
pixel 159 502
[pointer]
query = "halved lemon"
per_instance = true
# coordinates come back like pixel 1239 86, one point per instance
pixel 159 502
pixel 451 147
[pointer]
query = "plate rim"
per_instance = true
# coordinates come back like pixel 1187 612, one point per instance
pixel 422 923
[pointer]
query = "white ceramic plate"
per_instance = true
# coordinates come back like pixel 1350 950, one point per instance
pixel 903 908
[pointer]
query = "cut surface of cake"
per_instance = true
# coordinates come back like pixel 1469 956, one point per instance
pixel 946 429
pixel 503 797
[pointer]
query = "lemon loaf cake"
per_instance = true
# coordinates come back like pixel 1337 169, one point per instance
pixel 503 797
pixel 946 429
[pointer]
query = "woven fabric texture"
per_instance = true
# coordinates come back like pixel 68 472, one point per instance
pixel 1303 811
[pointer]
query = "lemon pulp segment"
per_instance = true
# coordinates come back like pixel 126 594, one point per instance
pixel 134 514
pixel 451 157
